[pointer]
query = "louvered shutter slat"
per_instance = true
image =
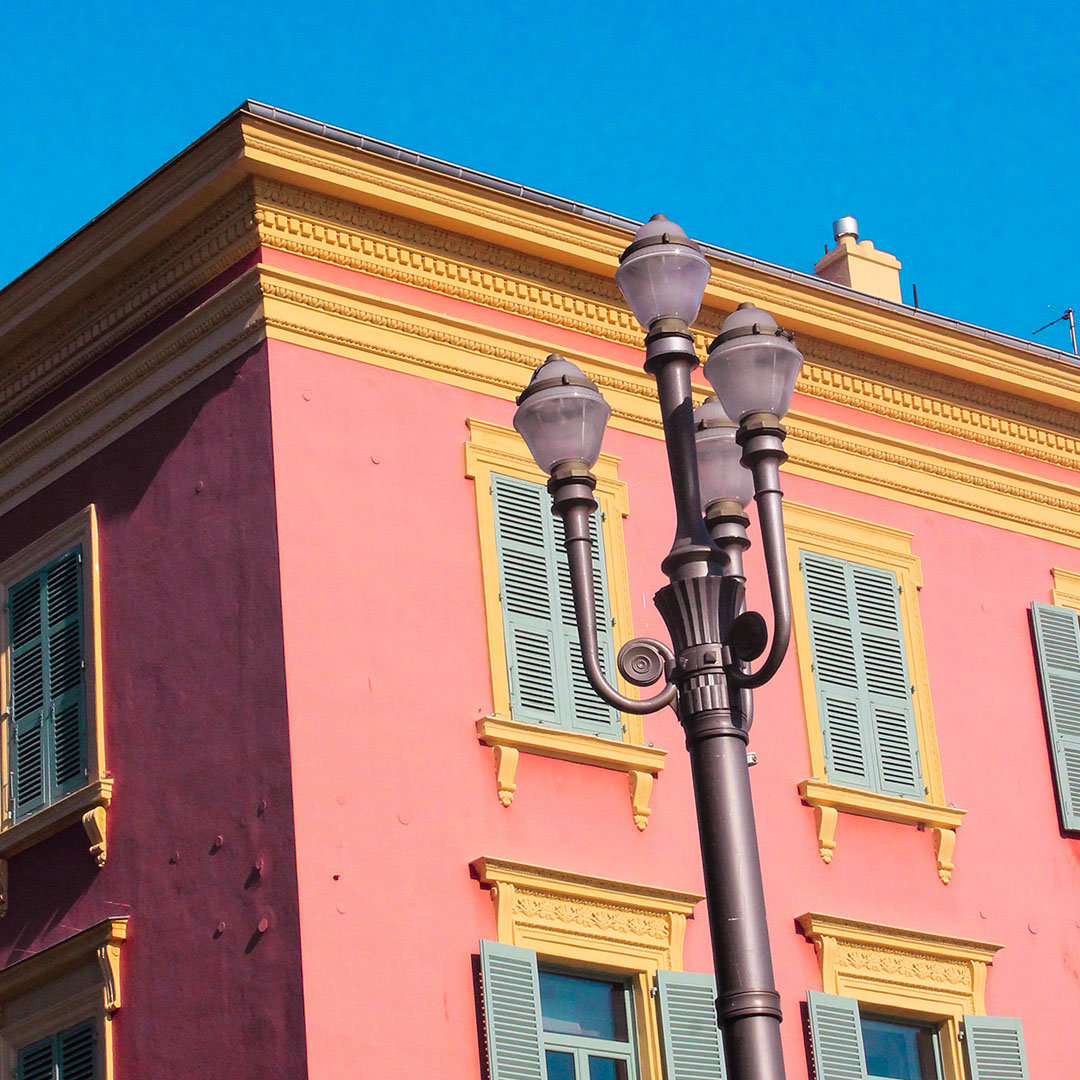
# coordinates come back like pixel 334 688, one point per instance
pixel 888 686
pixel 692 1044
pixel 75 1051
pixel 1057 644
pixel 994 1046
pixel 527 590
pixel 589 712
pixel 36 1062
pixel 28 695
pixel 836 1037
pixel 845 723
pixel 510 986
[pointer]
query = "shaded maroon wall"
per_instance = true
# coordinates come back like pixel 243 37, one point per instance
pixel 196 737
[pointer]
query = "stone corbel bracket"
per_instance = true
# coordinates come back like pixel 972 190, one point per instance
pixel 88 805
pixel 508 739
pixel 828 800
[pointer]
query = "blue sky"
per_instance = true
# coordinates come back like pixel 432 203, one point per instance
pixel 948 129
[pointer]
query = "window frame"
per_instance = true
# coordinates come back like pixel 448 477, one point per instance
pixel 89 802
pixel 598 928
pixel 925 978
pixel 495 449
pixel 60 987
pixel 887 548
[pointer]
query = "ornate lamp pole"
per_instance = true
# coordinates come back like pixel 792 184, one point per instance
pixel 752 366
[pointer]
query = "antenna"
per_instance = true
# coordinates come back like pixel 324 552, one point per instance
pixel 1066 316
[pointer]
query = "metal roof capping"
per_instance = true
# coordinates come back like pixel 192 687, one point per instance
pixel 495 183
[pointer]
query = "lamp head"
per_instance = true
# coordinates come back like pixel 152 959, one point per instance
pixel 662 274
pixel 753 364
pixel 720 470
pixel 561 415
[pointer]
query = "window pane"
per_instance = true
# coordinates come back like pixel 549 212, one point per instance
pixel 575 1006
pixel 892 1050
pixel 603 1068
pixel 560 1066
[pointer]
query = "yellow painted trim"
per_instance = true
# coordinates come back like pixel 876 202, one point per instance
pixel 74 980
pixel 1066 590
pixel 613 927
pixel 493 448
pixel 401 337
pixel 94 797
pixel 908 972
pixel 508 738
pixel 374 242
pixel 811 529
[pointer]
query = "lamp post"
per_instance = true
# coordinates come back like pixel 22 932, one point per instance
pixel 717 464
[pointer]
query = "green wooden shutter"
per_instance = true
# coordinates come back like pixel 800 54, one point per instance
pixel 48 699
pixel 75 1052
pixel 836 1037
pixel 36 1061
pixel 693 1049
pixel 861 677
pixel 994 1046
pixel 1057 644
pixel 529 600
pixel 590 713
pixel 548 684
pixel 64 660
pixel 510 986
pixel 29 767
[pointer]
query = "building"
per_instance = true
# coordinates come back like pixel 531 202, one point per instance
pixel 279 758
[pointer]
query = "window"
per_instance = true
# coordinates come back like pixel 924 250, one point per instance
pixel 588 1027
pixel 849 1042
pixel 905 1005
pixel 900 1049
pixel 53 744
pixel 584 981
pixel 858 641
pixel 69 1055
pixel 548 684
pixel 57 1007
pixel 543 703
pixel 1057 652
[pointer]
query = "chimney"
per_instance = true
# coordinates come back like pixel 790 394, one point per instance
pixel 858 264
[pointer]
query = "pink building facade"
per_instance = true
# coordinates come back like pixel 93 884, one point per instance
pixel 267 400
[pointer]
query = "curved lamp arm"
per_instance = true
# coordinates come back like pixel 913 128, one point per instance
pixel 765 463
pixel 644 655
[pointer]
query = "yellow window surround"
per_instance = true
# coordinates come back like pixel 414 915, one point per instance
pixel 904 972
pixel 77 979
pixel 492 448
pixel 613 927
pixel 1066 590
pixel 873 545
pixel 90 802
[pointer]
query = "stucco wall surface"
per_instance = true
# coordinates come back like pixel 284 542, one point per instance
pixel 196 738
pixel 387 671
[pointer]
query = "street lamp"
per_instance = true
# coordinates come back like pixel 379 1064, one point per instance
pixel 720 455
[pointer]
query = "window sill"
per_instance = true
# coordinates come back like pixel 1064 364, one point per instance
pixel 508 738
pixel 87 805
pixel 829 799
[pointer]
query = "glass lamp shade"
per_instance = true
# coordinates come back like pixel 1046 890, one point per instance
pixel 719 457
pixel 753 364
pixel 662 273
pixel 561 415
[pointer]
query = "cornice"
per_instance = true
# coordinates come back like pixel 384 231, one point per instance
pixel 395 335
pixel 190 259
pixel 374 242
pixel 204 340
